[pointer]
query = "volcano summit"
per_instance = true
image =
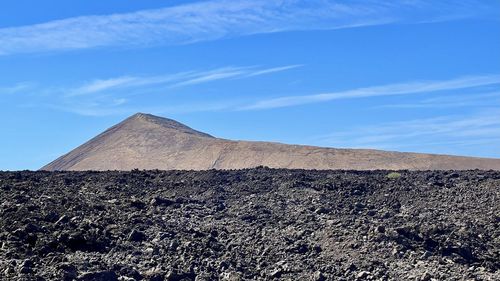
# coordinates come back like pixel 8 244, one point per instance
pixel 144 141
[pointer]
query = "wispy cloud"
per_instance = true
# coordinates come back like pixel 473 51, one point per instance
pixel 19 87
pixel 386 90
pixel 211 20
pixel 107 109
pixel 174 80
pixel 102 85
pixel 452 100
pixel 272 70
pixel 438 133
pixel 219 74
pixel 125 94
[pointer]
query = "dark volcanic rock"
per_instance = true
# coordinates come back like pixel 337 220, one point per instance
pixel 256 224
pixel 136 236
pixel 98 276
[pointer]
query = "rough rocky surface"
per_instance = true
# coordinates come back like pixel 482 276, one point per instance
pixel 148 142
pixel 257 224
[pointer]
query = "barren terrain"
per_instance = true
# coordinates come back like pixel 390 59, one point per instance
pixel 144 141
pixel 256 224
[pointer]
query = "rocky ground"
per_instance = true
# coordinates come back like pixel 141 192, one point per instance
pixel 256 224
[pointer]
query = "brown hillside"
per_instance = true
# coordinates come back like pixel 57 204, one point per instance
pixel 145 141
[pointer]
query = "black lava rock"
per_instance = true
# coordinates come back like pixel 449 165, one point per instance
pixel 253 224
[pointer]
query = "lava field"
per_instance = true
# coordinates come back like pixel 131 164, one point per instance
pixel 254 224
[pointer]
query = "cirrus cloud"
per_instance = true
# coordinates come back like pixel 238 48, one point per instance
pixel 217 19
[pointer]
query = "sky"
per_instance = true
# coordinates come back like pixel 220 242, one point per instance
pixel 409 75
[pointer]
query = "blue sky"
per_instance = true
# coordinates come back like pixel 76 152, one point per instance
pixel 416 75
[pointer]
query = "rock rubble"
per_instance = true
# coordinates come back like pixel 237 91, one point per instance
pixel 255 224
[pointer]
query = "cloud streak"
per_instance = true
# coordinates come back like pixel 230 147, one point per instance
pixel 450 101
pixel 17 88
pixel 125 94
pixel 176 80
pixel 440 133
pixel 217 19
pixel 377 91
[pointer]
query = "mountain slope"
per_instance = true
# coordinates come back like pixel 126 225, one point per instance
pixel 145 141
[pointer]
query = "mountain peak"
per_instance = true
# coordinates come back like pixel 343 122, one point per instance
pixel 145 141
pixel 141 115
pixel 165 123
